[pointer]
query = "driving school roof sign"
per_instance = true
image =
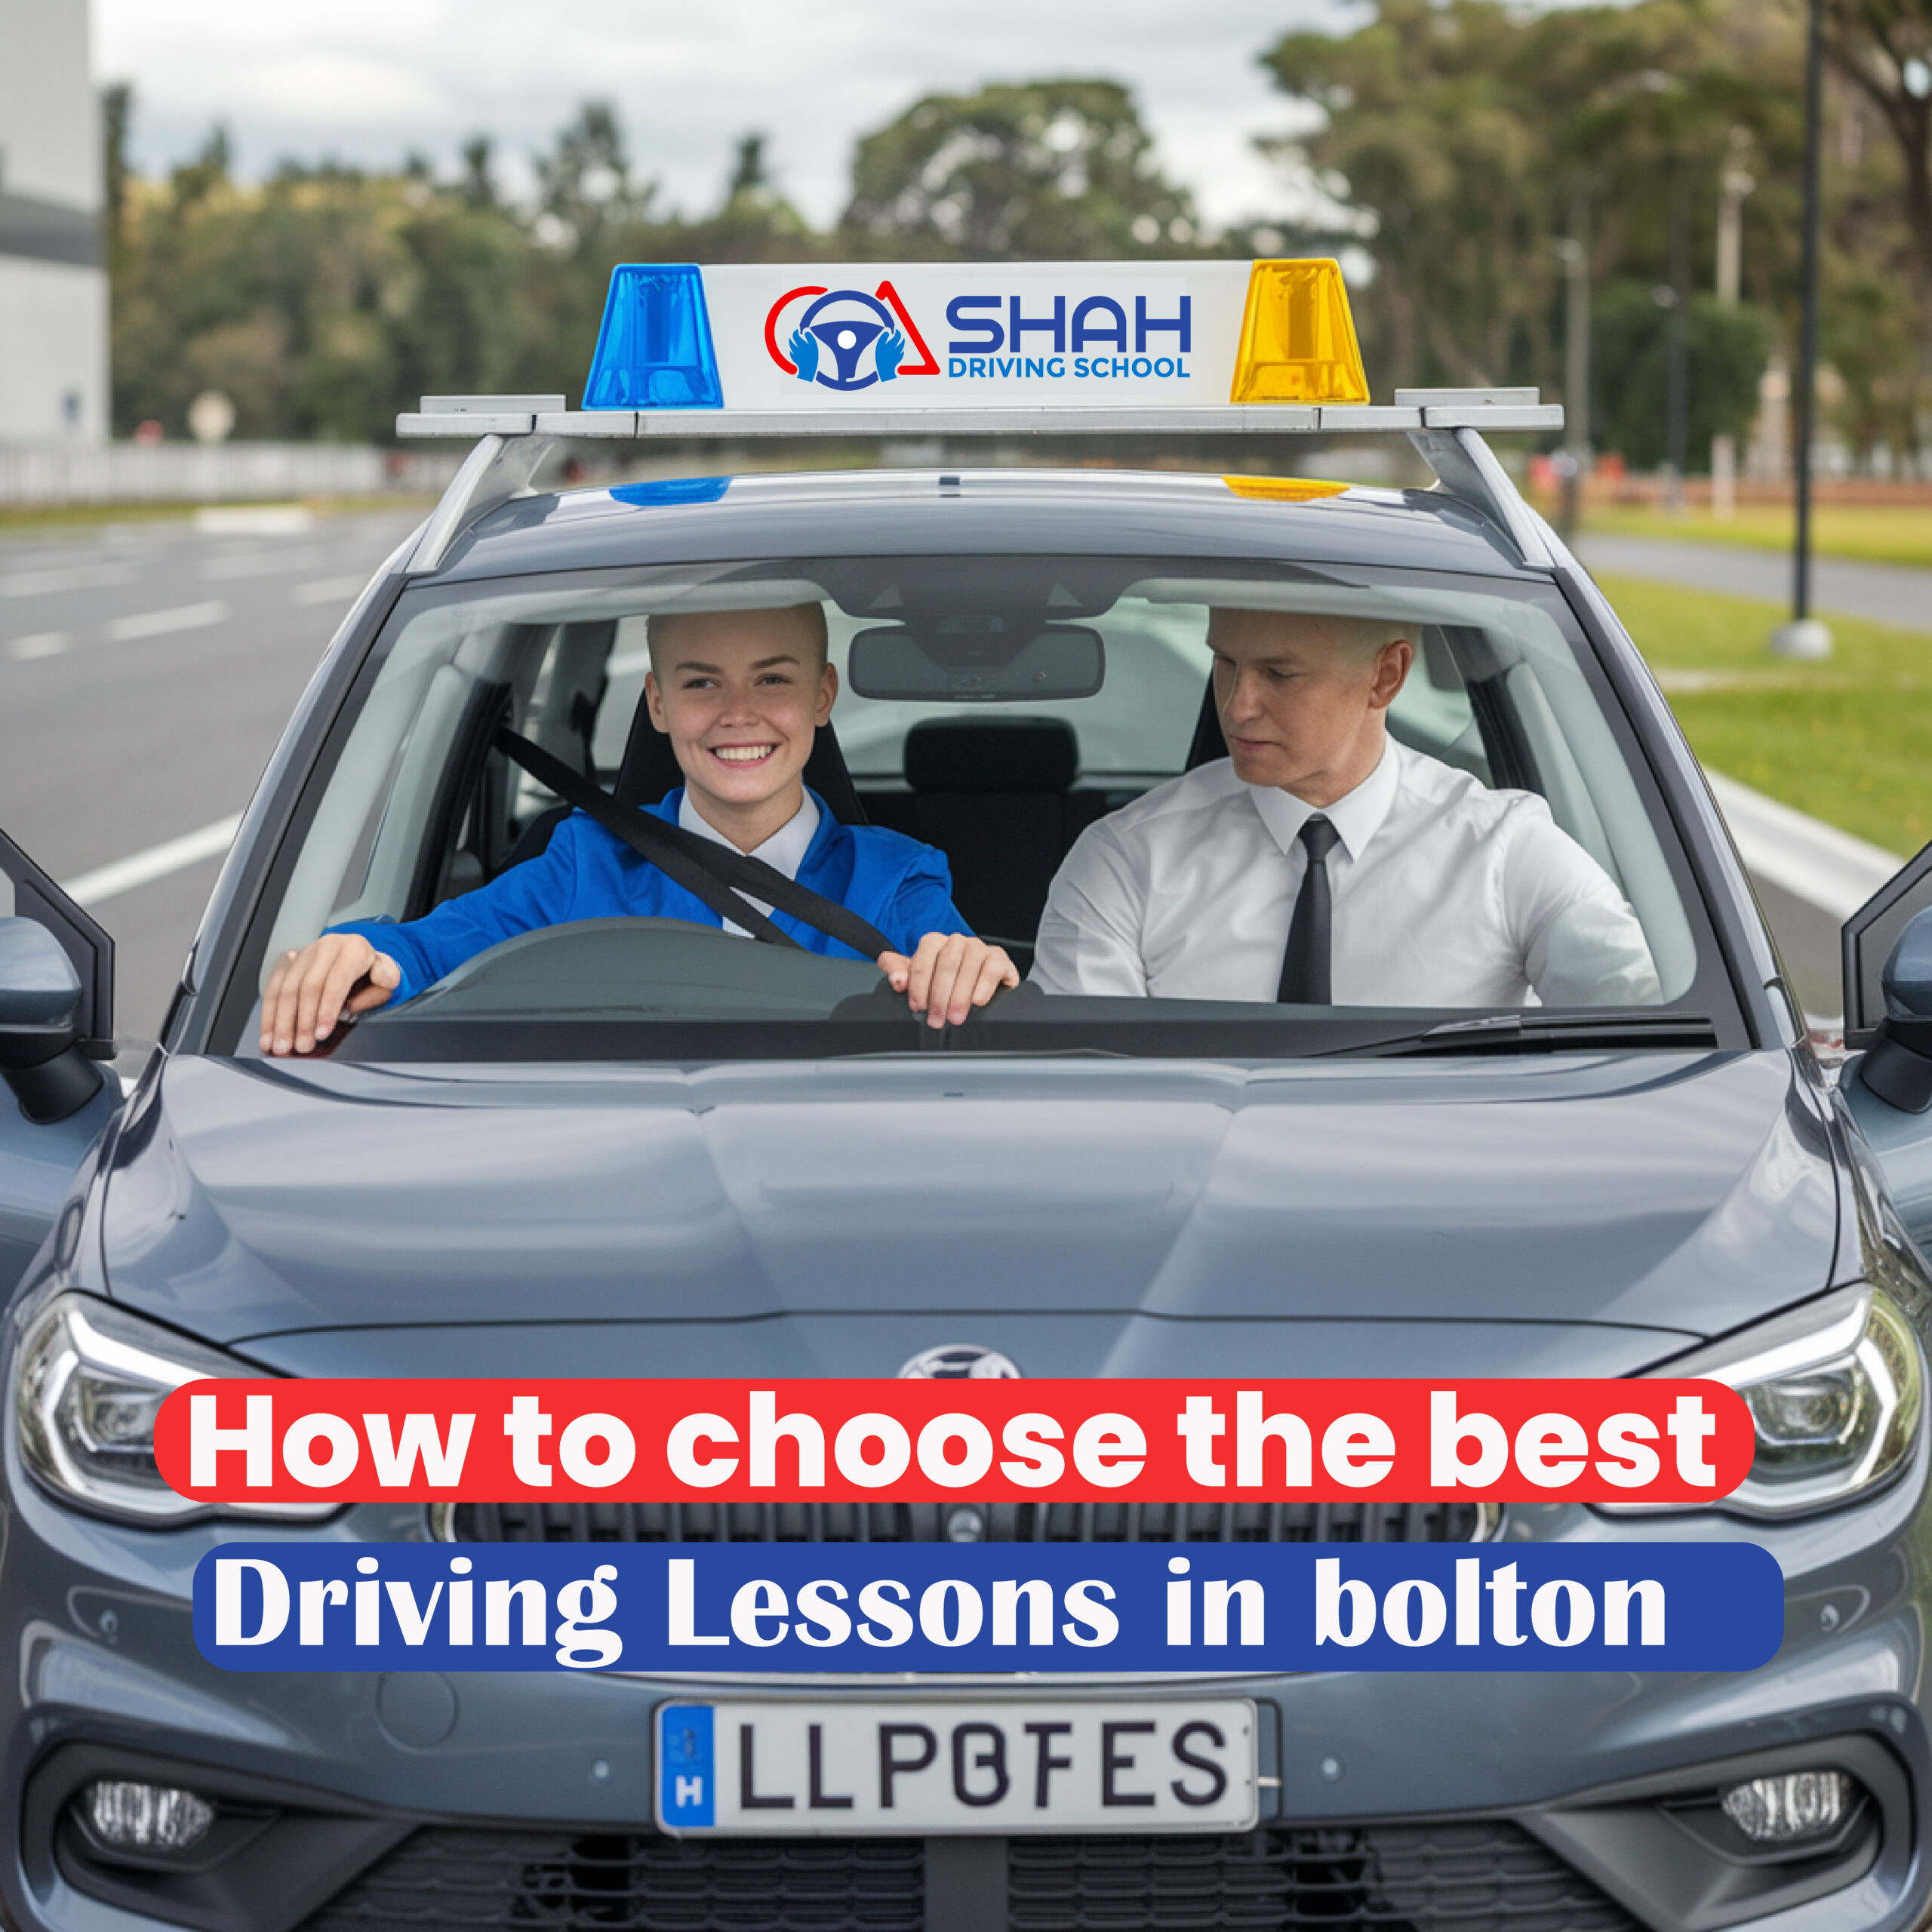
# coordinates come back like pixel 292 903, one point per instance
pixel 911 335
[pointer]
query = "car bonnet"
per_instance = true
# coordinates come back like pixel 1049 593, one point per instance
pixel 1355 1209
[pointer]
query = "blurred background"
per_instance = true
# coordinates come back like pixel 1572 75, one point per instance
pixel 235 241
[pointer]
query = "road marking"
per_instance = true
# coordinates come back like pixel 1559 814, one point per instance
pixel 327 589
pixel 43 644
pixel 252 519
pixel 260 563
pixel 174 855
pixel 47 583
pixel 1813 861
pixel 158 623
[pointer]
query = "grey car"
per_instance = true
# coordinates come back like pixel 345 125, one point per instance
pixel 641 1148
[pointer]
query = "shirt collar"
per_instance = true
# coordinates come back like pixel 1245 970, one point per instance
pixel 784 850
pixel 1356 817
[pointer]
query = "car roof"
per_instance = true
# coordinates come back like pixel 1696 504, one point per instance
pixel 887 513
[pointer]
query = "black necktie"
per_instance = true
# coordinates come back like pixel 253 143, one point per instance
pixel 1305 961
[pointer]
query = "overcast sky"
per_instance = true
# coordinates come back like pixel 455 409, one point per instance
pixel 363 80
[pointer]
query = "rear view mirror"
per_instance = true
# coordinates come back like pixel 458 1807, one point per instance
pixel 40 1007
pixel 988 660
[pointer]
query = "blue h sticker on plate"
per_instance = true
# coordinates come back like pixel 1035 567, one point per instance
pixel 685 1795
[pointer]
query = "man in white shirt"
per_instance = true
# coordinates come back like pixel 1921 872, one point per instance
pixel 1322 863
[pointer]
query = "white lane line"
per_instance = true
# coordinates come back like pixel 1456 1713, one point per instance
pixel 260 563
pixel 173 855
pixel 327 589
pixel 47 583
pixel 42 644
pixel 158 623
pixel 252 519
pixel 1813 861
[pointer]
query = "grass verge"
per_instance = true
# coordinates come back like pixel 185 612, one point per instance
pixel 1871 534
pixel 82 516
pixel 1845 739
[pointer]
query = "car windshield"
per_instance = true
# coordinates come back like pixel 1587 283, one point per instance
pixel 1004 713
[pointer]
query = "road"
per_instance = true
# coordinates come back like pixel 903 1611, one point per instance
pixel 1841 587
pixel 146 672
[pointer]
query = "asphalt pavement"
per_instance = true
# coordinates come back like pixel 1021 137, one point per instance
pixel 1886 593
pixel 147 673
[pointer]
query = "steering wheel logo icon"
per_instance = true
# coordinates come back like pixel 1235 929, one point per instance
pixel 843 339
pixel 847 339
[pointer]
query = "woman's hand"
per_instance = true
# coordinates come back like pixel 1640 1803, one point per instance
pixel 310 990
pixel 950 974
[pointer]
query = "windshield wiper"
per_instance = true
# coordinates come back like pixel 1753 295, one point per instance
pixel 1532 1030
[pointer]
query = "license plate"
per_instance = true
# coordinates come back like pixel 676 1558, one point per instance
pixel 865 1768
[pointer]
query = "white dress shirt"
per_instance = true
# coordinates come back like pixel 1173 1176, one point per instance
pixel 1444 894
pixel 784 852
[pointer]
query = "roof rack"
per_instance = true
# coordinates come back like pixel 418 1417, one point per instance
pixel 511 445
pixel 1414 409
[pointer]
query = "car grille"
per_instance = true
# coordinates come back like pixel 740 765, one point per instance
pixel 452 1878
pixel 1477 1878
pixel 1484 1877
pixel 965 1522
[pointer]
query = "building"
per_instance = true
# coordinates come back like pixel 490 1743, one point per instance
pixel 54 366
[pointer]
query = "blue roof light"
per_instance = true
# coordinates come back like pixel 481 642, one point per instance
pixel 653 351
pixel 673 490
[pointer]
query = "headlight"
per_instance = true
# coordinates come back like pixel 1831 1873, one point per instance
pixel 88 1382
pixel 1834 1389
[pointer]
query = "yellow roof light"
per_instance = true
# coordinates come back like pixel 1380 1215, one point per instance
pixel 1297 338
pixel 1284 489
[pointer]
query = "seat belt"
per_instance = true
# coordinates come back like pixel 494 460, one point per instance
pixel 716 874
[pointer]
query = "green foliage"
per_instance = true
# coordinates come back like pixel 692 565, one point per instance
pixel 326 300
pixel 1725 352
pixel 1055 170
pixel 1472 138
pixel 1466 143
pixel 1475 135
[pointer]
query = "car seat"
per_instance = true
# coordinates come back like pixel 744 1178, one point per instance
pixel 993 794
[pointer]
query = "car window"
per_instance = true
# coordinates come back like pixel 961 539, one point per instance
pixel 417 804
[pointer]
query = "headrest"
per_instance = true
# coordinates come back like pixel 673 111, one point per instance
pixel 1002 755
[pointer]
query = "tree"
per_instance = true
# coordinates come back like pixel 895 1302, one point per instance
pixel 1885 47
pixel 1472 136
pixel 117 113
pixel 1725 347
pixel 1050 171
pixel 1476 136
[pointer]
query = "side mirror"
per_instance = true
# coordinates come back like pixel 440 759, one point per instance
pixel 1907 978
pixel 1872 939
pixel 35 897
pixel 1898 1065
pixel 40 1013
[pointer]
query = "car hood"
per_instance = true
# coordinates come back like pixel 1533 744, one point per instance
pixel 1569 1214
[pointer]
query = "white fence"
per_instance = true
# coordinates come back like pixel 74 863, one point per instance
pixel 33 474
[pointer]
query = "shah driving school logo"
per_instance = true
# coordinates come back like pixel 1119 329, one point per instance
pixel 843 339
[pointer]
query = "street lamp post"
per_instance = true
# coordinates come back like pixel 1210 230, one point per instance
pixel 1804 636
pixel 1677 411
pixel 1573 251
pixel 1736 185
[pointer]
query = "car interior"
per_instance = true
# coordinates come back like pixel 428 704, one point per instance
pixel 426 803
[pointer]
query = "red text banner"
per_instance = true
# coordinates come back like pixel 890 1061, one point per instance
pixel 1064 1441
